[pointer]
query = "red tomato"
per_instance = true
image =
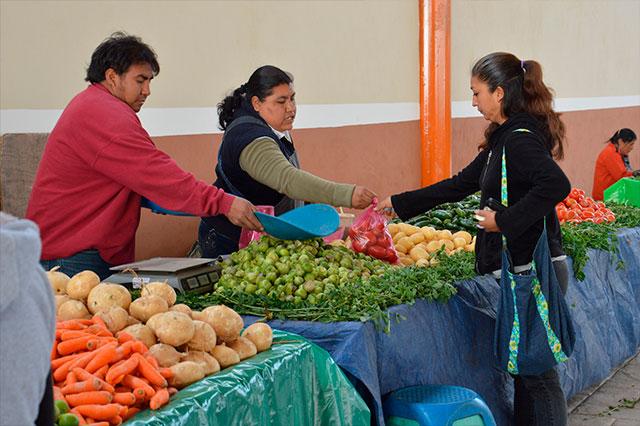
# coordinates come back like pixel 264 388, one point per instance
pixel 358 245
pixel 587 215
pixel 371 237
pixel 610 217
pixel 562 214
pixel 377 252
pixel 598 219
pixel 391 256
pixel 571 202
pixel 571 214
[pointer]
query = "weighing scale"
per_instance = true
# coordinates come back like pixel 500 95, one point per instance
pixel 185 274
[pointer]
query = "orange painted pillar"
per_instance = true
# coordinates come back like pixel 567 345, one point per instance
pixel 435 90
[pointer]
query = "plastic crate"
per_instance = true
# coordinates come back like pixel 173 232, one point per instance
pixel 624 191
pixel 436 405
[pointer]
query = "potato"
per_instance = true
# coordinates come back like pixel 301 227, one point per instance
pixel 418 253
pixel 244 347
pixel 145 307
pixel 106 295
pixel 398 236
pixel 469 248
pixel 210 364
pixel 225 356
pixel 163 290
pixel 406 243
pixel 60 299
pixel 434 246
pixel 197 315
pixel 423 263
pixel 81 284
pixel 225 322
pixel 448 244
pixel 73 309
pixel 400 248
pixel 131 320
pixel 181 307
pixel 459 242
pixel 393 228
pixel 115 318
pixel 444 234
pixel 58 281
pixel 204 337
pixel 417 238
pixel 406 261
pixel 185 373
pixel 166 355
pixel 142 333
pixel 428 232
pixel 174 328
pixel 260 334
pixel 463 234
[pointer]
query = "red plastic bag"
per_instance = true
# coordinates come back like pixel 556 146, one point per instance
pixel 247 236
pixel 369 235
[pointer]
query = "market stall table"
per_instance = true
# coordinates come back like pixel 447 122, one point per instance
pixel 294 383
pixel 451 343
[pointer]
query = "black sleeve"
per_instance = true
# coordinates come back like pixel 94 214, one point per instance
pixel 466 182
pixel 549 185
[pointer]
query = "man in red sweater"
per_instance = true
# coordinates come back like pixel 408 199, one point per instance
pixel 98 162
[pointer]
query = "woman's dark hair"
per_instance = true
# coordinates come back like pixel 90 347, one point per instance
pixel 119 52
pixel 260 84
pixel 524 91
pixel 627 135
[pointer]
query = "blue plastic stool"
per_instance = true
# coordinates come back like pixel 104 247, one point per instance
pixel 436 405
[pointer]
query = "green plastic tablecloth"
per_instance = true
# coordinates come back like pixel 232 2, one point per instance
pixel 294 383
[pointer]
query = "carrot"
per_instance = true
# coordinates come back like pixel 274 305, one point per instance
pixel 54 350
pixel 90 397
pixel 60 373
pixel 140 347
pixel 98 423
pixel 159 399
pixel 57 394
pixel 132 411
pixel 71 378
pixel 136 382
pixel 172 391
pixel 166 373
pixel 100 372
pixel 151 359
pixel 99 412
pixel 124 398
pixel 103 356
pixel 59 332
pixel 73 334
pixel 123 351
pixel 150 373
pixel 123 337
pixel 115 421
pixel 122 389
pixel 55 363
pixel 81 419
pixel 85 375
pixel 76 345
pixel 84 386
pixel 115 372
pixel 73 324
pixel 98 321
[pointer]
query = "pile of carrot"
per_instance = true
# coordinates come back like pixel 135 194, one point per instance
pixel 105 379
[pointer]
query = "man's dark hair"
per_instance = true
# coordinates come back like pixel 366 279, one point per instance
pixel 119 52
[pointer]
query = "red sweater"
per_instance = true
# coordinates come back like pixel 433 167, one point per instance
pixel 97 163
pixel 610 168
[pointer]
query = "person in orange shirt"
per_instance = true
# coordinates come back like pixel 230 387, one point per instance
pixel 613 162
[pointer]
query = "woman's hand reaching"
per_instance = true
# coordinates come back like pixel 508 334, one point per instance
pixel 361 198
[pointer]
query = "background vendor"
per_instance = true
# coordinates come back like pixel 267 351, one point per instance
pixel 613 162
pixel 98 162
pixel 257 159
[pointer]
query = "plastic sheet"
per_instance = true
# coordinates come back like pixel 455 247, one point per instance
pixel 452 343
pixel 295 383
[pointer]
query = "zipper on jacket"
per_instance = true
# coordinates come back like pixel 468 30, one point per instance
pixel 484 173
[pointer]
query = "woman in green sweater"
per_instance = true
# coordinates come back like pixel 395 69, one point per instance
pixel 258 160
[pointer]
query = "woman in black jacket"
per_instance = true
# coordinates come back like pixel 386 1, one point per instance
pixel 511 94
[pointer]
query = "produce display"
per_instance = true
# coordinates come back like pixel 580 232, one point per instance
pixel 420 246
pixel 114 357
pixel 369 235
pixel 294 271
pixel 579 207
pixel 453 216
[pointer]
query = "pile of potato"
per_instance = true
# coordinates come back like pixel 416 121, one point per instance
pixel 193 344
pixel 417 246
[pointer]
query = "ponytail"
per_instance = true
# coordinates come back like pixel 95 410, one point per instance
pixel 524 91
pixel 627 135
pixel 260 84
pixel 229 105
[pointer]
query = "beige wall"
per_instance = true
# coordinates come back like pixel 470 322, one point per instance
pixel 587 48
pixel 339 51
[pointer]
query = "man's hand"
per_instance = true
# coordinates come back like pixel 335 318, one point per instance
pixel 489 223
pixel 361 197
pixel 241 214
pixel 385 207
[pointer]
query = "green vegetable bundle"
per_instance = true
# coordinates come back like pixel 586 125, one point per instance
pixel 452 216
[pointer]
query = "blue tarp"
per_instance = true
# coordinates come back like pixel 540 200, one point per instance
pixel 452 343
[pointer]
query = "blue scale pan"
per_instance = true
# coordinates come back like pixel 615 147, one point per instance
pixel 303 223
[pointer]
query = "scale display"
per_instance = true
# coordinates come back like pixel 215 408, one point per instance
pixel 185 274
